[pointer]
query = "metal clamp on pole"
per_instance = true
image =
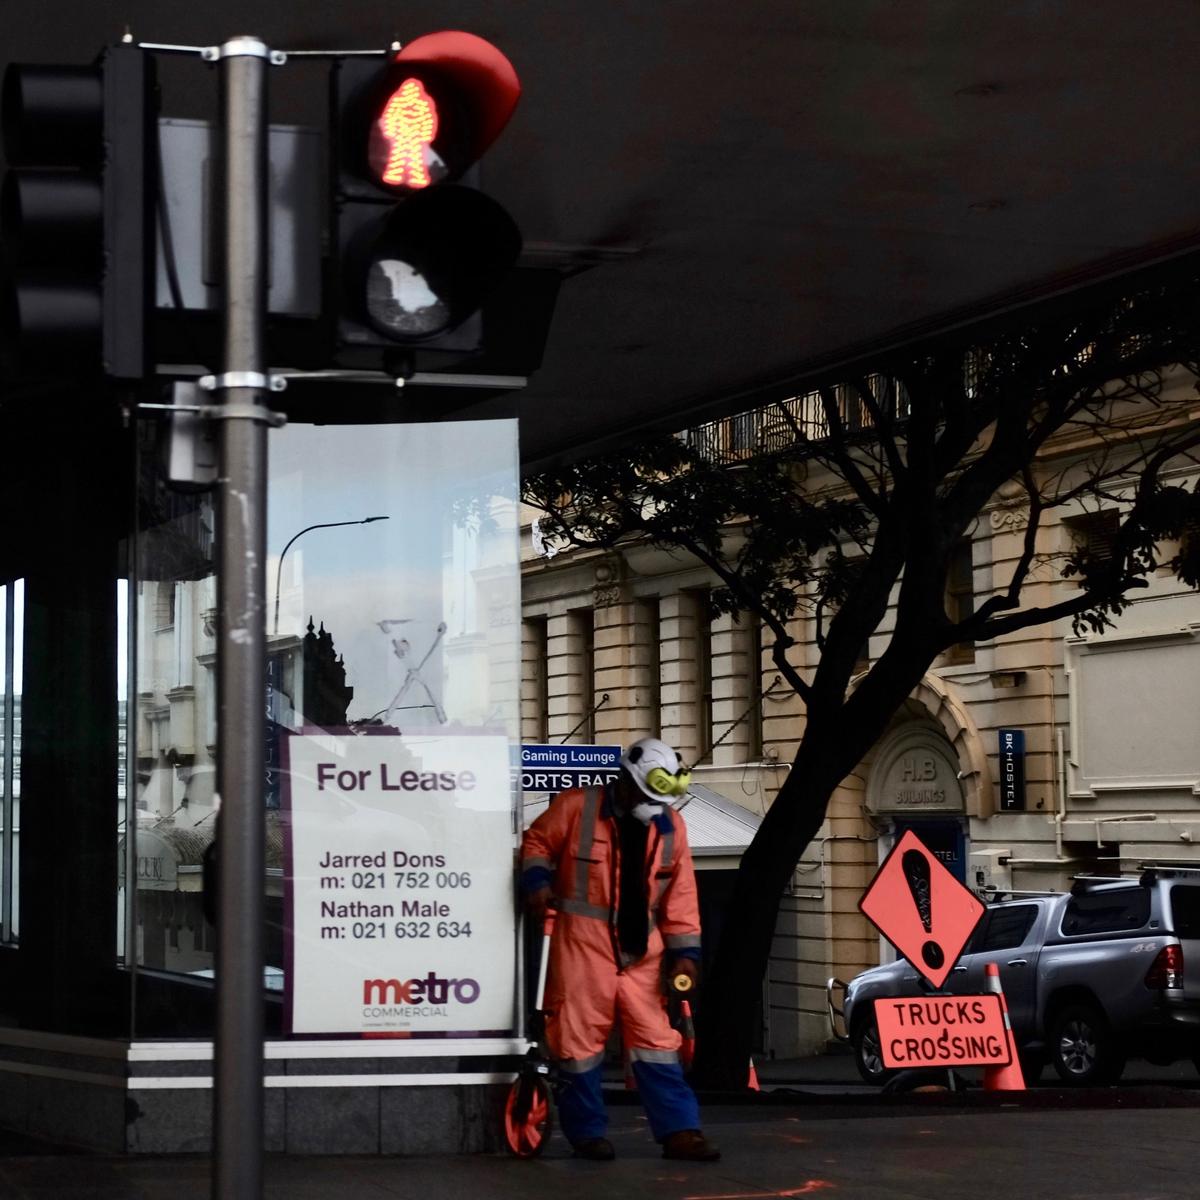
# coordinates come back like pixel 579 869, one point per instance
pixel 259 380
pixel 243 47
pixel 243 412
pixel 235 47
pixel 257 49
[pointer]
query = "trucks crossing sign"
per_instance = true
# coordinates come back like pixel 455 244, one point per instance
pixel 942 1031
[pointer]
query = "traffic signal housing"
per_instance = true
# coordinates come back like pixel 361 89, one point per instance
pixel 76 216
pixel 417 251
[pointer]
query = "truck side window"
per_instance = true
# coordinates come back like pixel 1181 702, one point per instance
pixel 1008 927
pixel 1113 910
pixel 1185 910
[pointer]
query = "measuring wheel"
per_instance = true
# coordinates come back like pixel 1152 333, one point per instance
pixel 527 1120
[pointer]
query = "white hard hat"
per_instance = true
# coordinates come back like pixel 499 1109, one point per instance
pixel 656 769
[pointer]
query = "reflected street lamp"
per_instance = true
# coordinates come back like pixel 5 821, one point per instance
pixel 308 529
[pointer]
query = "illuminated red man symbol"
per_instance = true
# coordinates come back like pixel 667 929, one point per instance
pixel 409 123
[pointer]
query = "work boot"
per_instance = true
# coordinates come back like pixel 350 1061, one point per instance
pixel 690 1145
pixel 596 1149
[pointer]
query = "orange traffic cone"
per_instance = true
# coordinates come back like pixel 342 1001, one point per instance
pixel 1002 1079
pixel 752 1082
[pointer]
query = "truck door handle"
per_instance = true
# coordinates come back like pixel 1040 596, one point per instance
pixel 957 970
pixel 1018 962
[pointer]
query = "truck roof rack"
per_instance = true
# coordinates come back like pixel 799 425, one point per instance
pixel 995 895
pixel 1096 883
pixel 1160 870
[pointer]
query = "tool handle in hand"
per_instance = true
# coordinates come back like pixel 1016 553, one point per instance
pixel 544 963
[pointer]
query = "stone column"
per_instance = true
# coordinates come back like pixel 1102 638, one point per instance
pixel 679 618
pixel 736 685
pixel 622 718
pixel 645 710
pixel 533 680
pixel 569 694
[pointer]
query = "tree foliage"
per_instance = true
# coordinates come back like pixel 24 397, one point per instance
pixel 885 472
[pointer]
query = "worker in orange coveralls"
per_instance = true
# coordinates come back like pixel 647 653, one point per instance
pixel 615 863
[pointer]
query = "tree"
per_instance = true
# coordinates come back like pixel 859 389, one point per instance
pixel 860 507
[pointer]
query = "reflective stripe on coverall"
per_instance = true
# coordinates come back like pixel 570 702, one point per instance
pixel 574 847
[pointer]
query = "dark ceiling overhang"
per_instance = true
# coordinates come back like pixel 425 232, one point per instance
pixel 762 190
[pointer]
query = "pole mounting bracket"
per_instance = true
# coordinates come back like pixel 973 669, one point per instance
pixel 243 47
pixel 243 379
pixel 224 412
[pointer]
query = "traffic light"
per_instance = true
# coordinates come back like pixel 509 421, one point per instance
pixel 76 216
pixel 417 252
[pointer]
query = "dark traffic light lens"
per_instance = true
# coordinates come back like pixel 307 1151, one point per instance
pixel 52 218
pixel 432 262
pixel 48 324
pixel 400 302
pixel 52 116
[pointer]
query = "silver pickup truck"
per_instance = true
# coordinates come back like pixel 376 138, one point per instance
pixel 1091 976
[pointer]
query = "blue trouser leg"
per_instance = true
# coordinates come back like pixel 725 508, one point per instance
pixel 581 1105
pixel 669 1102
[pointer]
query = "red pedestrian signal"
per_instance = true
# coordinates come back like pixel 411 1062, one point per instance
pixel 401 143
pixel 418 252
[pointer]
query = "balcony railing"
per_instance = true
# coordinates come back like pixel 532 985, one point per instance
pixel 782 426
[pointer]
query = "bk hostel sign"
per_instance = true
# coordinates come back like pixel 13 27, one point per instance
pixel 1012 770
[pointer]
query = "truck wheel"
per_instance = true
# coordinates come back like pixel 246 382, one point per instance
pixel 1082 1047
pixel 868 1057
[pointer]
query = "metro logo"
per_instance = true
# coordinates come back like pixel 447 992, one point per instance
pixel 431 990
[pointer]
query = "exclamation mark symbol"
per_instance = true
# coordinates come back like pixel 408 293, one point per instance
pixel 916 872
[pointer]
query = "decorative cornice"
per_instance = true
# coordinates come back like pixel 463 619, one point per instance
pixel 1009 518
pixel 608 577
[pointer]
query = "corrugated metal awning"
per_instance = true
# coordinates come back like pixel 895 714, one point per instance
pixel 716 824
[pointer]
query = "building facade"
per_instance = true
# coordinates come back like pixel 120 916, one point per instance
pixel 1020 762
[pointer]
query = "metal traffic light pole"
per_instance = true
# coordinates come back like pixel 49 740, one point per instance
pixel 241 673
pixel 241 492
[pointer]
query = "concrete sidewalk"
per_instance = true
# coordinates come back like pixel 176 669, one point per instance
pixel 814 1128
pixel 909 1153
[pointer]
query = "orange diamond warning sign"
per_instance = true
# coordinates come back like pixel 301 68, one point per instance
pixel 921 908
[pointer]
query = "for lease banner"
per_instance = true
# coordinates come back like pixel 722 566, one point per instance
pixel 399 882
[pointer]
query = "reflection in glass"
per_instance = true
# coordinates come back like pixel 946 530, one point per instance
pixel 174 627
pixel 396 609
pixel 408 623
pixel 12 635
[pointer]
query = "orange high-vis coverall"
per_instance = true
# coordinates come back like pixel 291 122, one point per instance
pixel 591 981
